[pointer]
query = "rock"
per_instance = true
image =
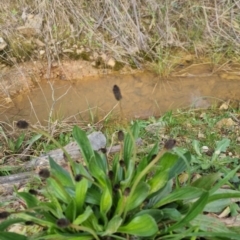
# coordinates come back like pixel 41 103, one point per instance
pixel 203 115
pixel 103 56
pixel 225 122
pixel 79 51
pixel 111 62
pixel 41 52
pixel 97 140
pixel 32 26
pixel 26 31
pixel 95 55
pixel 39 43
pixel 3 44
pixel 68 51
pixel 201 135
pixel 205 149
pixel 225 105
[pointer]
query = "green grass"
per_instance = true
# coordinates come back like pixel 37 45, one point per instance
pixel 117 197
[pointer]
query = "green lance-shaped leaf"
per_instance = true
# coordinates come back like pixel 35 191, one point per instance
pixel 36 220
pixel 195 210
pixel 221 147
pixel 83 217
pixel 11 236
pixel 186 193
pixel 181 165
pixel 71 210
pixel 63 176
pixel 8 222
pixel 67 236
pixel 106 201
pixel 84 144
pixel 19 142
pixel 167 161
pixel 142 226
pixel 129 143
pixel 206 182
pixel 139 195
pixel 58 190
pixel 29 199
pixel 158 181
pixel 81 192
pixel 113 225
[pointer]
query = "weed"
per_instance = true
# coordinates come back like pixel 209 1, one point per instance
pixel 100 200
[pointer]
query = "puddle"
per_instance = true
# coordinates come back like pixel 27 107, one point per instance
pixel 144 94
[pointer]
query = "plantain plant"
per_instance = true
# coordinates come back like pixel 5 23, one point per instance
pixel 129 197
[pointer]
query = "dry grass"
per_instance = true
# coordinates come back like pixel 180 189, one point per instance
pixel 130 31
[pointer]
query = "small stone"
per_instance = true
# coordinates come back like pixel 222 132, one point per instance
pixel 79 51
pixel 97 140
pixel 225 105
pixel 41 52
pixel 205 149
pixel 95 55
pixel 8 100
pixel 103 57
pixel 230 154
pixel 238 139
pixel 94 64
pixel 225 122
pixel 68 51
pixel 27 31
pixel 3 44
pixel 39 43
pixel 111 62
pixel 201 135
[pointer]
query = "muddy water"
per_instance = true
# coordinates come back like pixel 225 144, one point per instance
pixel 144 95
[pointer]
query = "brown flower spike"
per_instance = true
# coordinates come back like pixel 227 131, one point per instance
pixel 44 173
pixel 22 124
pixel 120 136
pixel 4 214
pixel 62 222
pixel 169 144
pixel 117 92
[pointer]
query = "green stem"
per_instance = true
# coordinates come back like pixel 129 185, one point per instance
pixel 144 172
pixel 85 229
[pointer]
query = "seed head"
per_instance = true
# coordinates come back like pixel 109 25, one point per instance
pixel 169 144
pixel 116 187
pixel 117 92
pixel 127 191
pixel 63 222
pixel 153 156
pixel 103 150
pixel 65 157
pixel 78 177
pixel 4 214
pixel 110 174
pixel 33 191
pixel 22 124
pixel 29 223
pixel 122 163
pixel 44 173
pixel 120 136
